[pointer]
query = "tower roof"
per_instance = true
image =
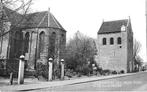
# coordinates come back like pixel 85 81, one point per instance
pixel 112 26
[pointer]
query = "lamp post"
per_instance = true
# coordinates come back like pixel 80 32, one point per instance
pixel 62 69
pixel 146 25
pixel 21 70
pixel 50 63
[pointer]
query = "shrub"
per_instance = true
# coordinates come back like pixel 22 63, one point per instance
pixel 68 73
pixel 42 70
pixel 122 71
pixel 106 72
pixel 84 70
pixel 114 72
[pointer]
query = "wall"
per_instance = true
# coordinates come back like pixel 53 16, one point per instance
pixel 5 46
pixel 60 42
pixel 4 40
pixel 130 49
pixel 113 57
pixel 16 47
pixel 46 51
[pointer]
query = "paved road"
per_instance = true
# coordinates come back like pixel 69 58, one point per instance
pixel 137 82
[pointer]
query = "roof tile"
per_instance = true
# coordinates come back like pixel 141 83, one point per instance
pixel 112 26
pixel 32 20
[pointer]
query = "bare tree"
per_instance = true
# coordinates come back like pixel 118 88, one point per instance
pixel 17 6
pixel 136 49
pixel 80 51
pixel 13 13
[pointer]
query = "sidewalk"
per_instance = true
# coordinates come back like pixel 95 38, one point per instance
pixel 5 81
pixel 38 85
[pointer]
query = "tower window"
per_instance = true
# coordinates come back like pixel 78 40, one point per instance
pixel 119 40
pixel 111 41
pixel 104 41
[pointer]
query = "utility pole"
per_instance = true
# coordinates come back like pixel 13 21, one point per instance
pixel 1 23
pixel 146 25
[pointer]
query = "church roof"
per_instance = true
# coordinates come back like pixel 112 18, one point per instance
pixel 40 19
pixel 112 26
pixel 32 20
pixel 12 16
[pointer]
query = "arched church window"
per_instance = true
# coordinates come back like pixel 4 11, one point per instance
pixel 104 41
pixel 111 41
pixel 27 35
pixel 62 38
pixel 119 40
pixel 41 41
pixel 18 44
pixel 52 44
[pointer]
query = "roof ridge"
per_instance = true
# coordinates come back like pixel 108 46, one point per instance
pixel 42 20
pixel 36 12
pixel 116 20
pixel 55 20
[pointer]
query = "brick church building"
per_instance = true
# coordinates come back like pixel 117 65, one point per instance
pixel 115 45
pixel 38 36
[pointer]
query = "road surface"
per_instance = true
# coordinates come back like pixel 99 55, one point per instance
pixel 136 82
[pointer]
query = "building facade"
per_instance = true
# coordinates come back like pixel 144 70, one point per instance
pixel 38 36
pixel 115 46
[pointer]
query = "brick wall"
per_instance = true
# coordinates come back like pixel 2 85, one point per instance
pixel 4 40
pixel 113 57
pixel 130 49
pixel 60 35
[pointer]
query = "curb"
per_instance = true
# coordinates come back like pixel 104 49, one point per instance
pixel 41 85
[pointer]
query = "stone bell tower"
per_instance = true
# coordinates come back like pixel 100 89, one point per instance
pixel 115 45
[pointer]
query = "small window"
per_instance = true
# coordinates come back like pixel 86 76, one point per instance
pixel 111 41
pixel 62 35
pixel 104 41
pixel 54 33
pixel 118 40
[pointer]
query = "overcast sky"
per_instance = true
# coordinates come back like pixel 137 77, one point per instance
pixel 87 15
